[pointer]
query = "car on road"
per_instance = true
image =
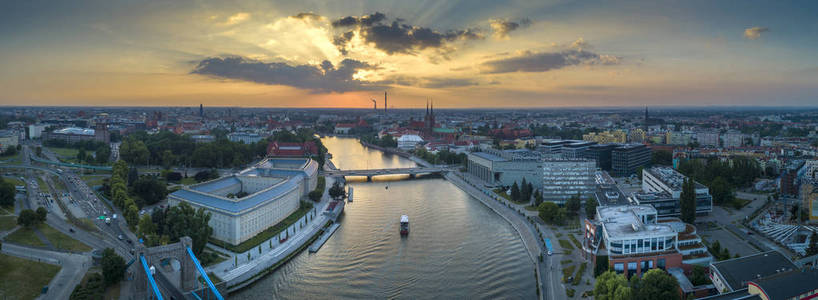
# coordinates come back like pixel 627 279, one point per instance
pixel 120 237
pixel 71 230
pixel 550 253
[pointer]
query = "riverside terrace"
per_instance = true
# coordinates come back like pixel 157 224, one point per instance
pixel 248 202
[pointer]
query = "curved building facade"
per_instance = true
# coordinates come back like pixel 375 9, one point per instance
pixel 248 202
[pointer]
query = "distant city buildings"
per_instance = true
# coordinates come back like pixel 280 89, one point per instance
pixel 616 136
pixel 8 139
pixel 244 137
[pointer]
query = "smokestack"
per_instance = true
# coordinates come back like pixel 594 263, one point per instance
pixel 385 104
pixel 375 104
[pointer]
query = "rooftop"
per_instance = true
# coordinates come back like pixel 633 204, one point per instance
pixel 75 131
pixel 788 285
pixel 624 221
pixel 738 271
pixel 670 177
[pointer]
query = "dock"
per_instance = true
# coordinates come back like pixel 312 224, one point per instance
pixel 323 238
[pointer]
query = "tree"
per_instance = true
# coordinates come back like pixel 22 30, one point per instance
pixel 81 155
pixel 720 190
pixel 657 284
pixel 146 226
pixel 167 159
pixel 537 198
pixel 39 151
pixel 590 208
pixel 813 244
pixel 42 214
pixel 315 196
pixel 699 276
pixel 515 192
pixel 134 151
pixel 610 286
pixel 688 202
pixel 28 218
pixel 206 175
pixel 525 195
pixel 184 220
pixel 551 213
pixel 662 157
pixel 337 191
pixel 113 267
pixel 102 154
pixel 7 191
pixel 150 190
pixel 131 214
pixel 573 204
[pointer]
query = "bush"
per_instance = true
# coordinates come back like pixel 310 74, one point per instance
pixel 173 176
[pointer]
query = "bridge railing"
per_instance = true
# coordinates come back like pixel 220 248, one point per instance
pixel 150 278
pixel 204 275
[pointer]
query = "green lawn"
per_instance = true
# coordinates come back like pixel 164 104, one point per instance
pixel 501 193
pixel 565 244
pixel 65 153
pixel 93 180
pixel 739 203
pixel 41 185
pixel 567 272
pixel 62 241
pixel 26 236
pixel 530 208
pixel 12 159
pixel 7 222
pixel 14 180
pixel 24 279
pixel 187 181
pixel 264 235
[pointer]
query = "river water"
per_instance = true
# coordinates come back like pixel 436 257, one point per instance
pixel 457 248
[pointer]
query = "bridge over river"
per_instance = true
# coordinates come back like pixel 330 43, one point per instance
pixel 369 173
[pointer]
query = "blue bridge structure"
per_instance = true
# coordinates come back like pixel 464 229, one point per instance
pixel 150 282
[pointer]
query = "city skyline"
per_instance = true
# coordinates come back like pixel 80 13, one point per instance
pixel 461 54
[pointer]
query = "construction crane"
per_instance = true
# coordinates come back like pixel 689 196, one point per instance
pixel 374 103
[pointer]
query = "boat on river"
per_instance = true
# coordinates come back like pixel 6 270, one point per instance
pixel 404 225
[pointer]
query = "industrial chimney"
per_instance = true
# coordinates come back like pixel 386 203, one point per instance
pixel 384 102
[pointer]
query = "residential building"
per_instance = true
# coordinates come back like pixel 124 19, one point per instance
pixel 626 159
pixel 809 199
pixel 636 135
pixel 679 138
pixel 565 178
pixel 662 187
pixel 246 203
pixel 202 138
pixel 708 138
pixel 8 139
pixel 617 136
pixel 734 139
pixel 292 149
pixel 505 167
pixel 244 137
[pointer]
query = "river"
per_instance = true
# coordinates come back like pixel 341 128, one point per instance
pixel 457 248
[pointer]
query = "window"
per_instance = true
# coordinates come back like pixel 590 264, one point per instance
pixel 662 263
pixel 653 244
pixel 619 268
pixel 631 269
pixel 645 267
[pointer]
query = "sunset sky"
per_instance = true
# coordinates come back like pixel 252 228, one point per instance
pixel 470 53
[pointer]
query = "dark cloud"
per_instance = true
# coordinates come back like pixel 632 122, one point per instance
pixel 363 21
pixel 546 61
pixel 324 78
pixel 501 28
pixel 400 37
pixel 307 15
pixel 342 40
pixel 430 82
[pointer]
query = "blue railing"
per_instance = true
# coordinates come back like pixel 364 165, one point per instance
pixel 150 277
pixel 204 275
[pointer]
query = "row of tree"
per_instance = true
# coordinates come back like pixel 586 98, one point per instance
pixel 523 192
pixel 31 218
pixel 387 141
pixel 654 284
pixel 113 270
pixel 118 193
pixel 722 177
pixel 7 192
pixel 551 213
pixel 441 157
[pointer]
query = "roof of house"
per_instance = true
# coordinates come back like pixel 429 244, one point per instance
pixel 737 272
pixel 788 285
pixel 737 295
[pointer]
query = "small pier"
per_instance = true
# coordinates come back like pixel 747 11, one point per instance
pixel 324 237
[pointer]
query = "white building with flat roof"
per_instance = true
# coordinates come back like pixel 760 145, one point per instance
pixel 246 203
pixel 666 180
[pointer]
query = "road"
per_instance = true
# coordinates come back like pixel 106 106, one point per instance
pixel 73 268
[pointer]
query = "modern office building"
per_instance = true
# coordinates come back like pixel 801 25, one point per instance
pixel 505 167
pixel 662 188
pixel 601 154
pixel 246 203
pixel 565 178
pixel 552 148
pixel 576 149
pixel 635 240
pixel 627 158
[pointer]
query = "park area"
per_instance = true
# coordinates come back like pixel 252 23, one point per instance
pixel 23 279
